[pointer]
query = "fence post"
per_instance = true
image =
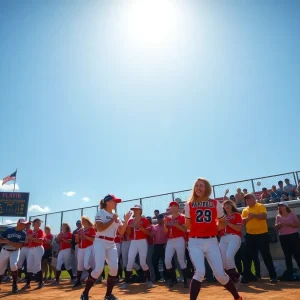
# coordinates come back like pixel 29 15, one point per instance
pixel 295 178
pixel 46 220
pixel 253 186
pixel 214 191
pixel 141 201
pixel 82 212
pixel 97 207
pixel 61 220
pixel 173 197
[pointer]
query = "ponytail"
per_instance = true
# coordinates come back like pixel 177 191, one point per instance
pixel 102 204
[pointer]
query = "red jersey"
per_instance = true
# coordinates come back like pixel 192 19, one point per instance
pixel 137 234
pixel 173 231
pixel 203 216
pixel 84 243
pixel 235 219
pixel 28 232
pixel 65 236
pixel 40 234
pixel 118 239
pixel 48 238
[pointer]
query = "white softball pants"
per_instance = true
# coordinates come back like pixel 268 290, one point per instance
pixel 209 248
pixel 137 247
pixel 34 260
pixel 175 245
pixel 229 245
pixel 83 258
pixel 12 257
pixel 23 255
pixel 124 251
pixel 64 257
pixel 105 250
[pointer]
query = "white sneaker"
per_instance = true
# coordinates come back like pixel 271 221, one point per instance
pixel 123 286
pixel 149 284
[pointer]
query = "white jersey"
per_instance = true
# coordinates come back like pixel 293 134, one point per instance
pixel 104 217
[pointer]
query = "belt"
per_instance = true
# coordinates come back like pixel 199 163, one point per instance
pixel 10 250
pixel 203 237
pixel 106 238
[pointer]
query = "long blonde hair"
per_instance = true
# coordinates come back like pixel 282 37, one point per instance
pixel 87 219
pixel 208 189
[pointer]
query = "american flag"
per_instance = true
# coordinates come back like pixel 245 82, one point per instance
pixel 9 177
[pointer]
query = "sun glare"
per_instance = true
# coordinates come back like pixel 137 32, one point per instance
pixel 151 22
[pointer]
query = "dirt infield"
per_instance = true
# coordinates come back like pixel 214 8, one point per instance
pixel 260 291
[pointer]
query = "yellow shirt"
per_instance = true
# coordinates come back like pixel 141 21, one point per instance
pixel 255 226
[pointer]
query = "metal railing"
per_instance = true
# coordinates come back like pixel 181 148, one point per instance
pixel 161 202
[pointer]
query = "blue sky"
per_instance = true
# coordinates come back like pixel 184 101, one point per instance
pixel 105 97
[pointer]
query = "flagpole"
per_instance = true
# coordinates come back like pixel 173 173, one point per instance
pixel 15 180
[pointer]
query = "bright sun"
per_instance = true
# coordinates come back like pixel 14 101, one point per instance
pixel 151 22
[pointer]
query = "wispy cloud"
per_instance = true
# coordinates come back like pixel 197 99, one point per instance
pixel 8 187
pixel 69 194
pixel 86 199
pixel 39 209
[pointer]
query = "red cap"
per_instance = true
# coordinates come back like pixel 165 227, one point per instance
pixel 112 197
pixel 173 203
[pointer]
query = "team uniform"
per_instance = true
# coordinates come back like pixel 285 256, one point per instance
pixel 10 253
pixel 203 243
pixel 229 245
pixel 105 249
pixel 138 245
pixel 85 248
pixel 47 244
pixel 124 252
pixel 24 252
pixel 64 255
pixel 175 243
pixel 34 259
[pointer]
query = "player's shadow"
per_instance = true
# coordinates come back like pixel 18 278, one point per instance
pixel 264 285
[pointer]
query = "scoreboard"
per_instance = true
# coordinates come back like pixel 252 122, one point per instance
pixel 13 204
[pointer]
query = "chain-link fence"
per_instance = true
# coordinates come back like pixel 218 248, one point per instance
pixel 161 202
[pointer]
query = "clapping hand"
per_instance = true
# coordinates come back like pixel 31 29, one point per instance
pixel 127 216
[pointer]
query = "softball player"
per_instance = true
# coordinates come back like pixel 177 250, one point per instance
pixel 175 230
pixel 84 238
pixel 24 250
pixel 12 239
pixel 231 240
pixel 64 254
pixel 36 252
pixel 108 223
pixel 138 234
pixel 46 260
pixel 124 251
pixel 202 215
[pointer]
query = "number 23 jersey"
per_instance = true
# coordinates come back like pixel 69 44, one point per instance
pixel 203 216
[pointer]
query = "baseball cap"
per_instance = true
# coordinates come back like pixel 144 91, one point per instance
pixel 137 206
pixel 23 221
pixel 78 222
pixel 283 204
pixel 160 216
pixel 111 197
pixel 173 203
